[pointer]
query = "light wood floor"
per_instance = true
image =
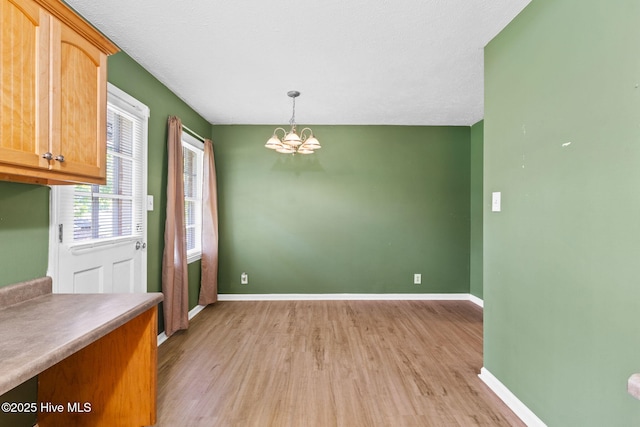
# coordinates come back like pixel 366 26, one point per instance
pixel 328 363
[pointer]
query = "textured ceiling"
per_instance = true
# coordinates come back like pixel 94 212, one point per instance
pixel 402 62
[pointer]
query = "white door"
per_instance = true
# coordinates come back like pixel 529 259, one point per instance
pixel 110 266
pixel 98 233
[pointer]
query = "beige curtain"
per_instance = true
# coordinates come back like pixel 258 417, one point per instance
pixel 174 259
pixel 209 263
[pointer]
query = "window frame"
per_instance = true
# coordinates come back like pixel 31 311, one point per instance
pixel 196 146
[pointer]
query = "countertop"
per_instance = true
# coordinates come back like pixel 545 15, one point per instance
pixel 37 333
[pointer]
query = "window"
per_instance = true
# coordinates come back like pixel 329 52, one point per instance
pixel 193 154
pixel 115 210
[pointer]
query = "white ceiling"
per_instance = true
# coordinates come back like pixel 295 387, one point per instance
pixel 402 62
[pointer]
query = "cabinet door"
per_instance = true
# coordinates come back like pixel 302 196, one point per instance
pixel 24 84
pixel 79 100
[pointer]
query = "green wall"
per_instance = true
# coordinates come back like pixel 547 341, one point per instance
pixel 129 76
pixel 476 207
pixel 24 241
pixel 561 261
pixel 24 232
pixel 374 206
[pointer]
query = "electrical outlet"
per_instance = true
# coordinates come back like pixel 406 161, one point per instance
pixel 417 279
pixel 244 279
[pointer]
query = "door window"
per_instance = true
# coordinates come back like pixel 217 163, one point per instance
pixel 113 210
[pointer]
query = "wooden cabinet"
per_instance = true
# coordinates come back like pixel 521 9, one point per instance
pixel 112 382
pixel 53 95
pixel 24 109
pixel 79 104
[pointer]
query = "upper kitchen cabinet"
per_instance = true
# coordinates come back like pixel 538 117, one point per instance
pixel 78 104
pixel 53 96
pixel 24 76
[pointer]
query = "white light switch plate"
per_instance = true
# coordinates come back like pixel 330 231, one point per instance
pixel 149 202
pixel 496 199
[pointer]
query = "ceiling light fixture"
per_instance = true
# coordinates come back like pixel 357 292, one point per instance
pixel 291 142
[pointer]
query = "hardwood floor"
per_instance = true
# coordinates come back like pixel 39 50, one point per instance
pixel 328 363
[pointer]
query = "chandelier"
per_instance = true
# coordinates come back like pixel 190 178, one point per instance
pixel 290 142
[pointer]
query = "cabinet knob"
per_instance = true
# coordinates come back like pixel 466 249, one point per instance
pixel 47 156
pixel 59 158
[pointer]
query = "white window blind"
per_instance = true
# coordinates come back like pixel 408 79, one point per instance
pixel 193 154
pixel 115 210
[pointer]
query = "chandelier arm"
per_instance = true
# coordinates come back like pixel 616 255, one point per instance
pixel 275 132
pixel 304 137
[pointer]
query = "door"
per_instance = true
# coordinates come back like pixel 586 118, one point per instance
pixel 111 267
pixel 99 231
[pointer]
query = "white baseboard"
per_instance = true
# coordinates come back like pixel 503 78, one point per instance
pixel 162 337
pixel 342 297
pixel 477 301
pixel 520 409
pixel 195 310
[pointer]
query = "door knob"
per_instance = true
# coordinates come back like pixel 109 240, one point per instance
pixel 59 158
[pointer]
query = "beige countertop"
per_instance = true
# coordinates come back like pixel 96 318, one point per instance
pixel 37 333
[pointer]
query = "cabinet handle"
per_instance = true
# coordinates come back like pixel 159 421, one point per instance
pixel 47 156
pixel 59 158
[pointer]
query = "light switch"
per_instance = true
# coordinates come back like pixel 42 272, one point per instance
pixel 495 201
pixel 149 202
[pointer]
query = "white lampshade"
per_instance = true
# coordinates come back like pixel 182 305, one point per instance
pixel 303 149
pixel 312 143
pixel 273 143
pixel 292 138
pixel 286 150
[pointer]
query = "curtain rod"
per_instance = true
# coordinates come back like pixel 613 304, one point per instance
pixel 193 133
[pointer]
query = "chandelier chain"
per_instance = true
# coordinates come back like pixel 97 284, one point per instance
pixel 292 122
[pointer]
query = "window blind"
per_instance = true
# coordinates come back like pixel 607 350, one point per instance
pixel 116 209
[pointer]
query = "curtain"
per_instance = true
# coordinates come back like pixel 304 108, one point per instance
pixel 174 258
pixel 209 262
